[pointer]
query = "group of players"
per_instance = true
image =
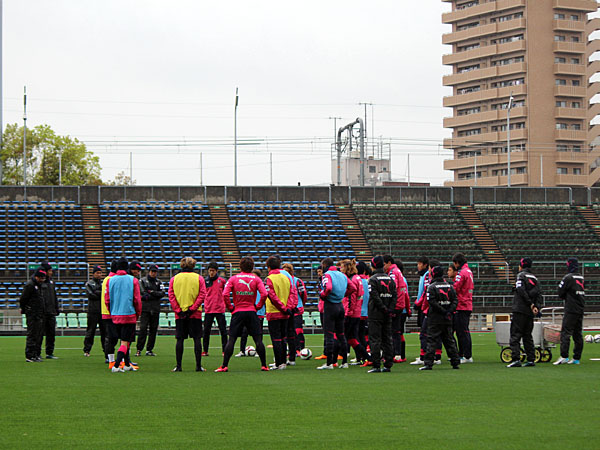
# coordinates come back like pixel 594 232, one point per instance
pixel 362 307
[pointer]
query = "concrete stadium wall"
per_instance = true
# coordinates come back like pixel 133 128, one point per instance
pixel 337 195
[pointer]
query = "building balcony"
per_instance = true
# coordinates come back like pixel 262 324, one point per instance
pixel 570 135
pixel 486 94
pixel 569 69
pixel 481 74
pixel 484 138
pixel 484 160
pixel 483 52
pixel 580 5
pixel 571 180
pixel 572 157
pixel 485 8
pixel 515 180
pixel 569 25
pixel 569 47
pixel 570 113
pixel 483 30
pixel 592 25
pixel 570 91
pixel 482 117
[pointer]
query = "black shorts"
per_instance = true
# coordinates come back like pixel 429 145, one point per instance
pixel 111 330
pixel 185 328
pixel 242 319
pixel 125 331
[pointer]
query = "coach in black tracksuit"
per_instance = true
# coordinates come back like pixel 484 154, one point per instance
pixel 571 290
pixel 93 289
pixel 51 310
pixel 32 305
pixel 152 292
pixel 525 306
pixel 382 301
pixel 442 300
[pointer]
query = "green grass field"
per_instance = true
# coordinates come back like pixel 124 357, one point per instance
pixel 75 402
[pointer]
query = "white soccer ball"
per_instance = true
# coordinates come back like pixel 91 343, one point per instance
pixel 589 338
pixel 250 351
pixel 597 339
pixel 305 353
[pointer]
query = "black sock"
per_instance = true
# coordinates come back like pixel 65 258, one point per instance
pixel 228 351
pixel 179 351
pixel 120 356
pixel 198 351
pixel 262 352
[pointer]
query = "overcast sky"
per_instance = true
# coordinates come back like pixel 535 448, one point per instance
pixel 158 79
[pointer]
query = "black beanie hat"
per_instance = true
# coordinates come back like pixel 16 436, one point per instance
pixel 135 265
pixel 377 262
pixel 573 264
pixel 122 263
pixel 97 269
pixel 45 266
pixel 153 267
pixel 437 272
pixel 113 266
pixel 361 267
pixel 526 262
pixel 40 273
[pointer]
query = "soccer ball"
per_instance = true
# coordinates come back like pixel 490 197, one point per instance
pixel 589 338
pixel 597 339
pixel 250 351
pixel 305 353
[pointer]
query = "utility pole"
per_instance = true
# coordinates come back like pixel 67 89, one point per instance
pixel 271 166
pixel 24 135
pixel 201 180
pixel 235 138
pixel 365 128
pixel 130 168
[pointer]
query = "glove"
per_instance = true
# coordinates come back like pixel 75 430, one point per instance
pixel 289 311
pixel 184 314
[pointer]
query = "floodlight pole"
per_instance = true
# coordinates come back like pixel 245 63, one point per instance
pixel 510 100
pixel 24 135
pixel 235 138
pixel 338 148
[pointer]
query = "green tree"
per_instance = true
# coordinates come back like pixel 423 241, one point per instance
pixel 44 148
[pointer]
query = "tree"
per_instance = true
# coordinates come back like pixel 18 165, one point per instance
pixel 44 149
pixel 121 180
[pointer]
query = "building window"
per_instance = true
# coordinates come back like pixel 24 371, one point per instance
pixel 574 38
pixel 467 5
pixel 468 90
pixel 574 60
pixel 575 82
pixel 561 171
pixel 577 171
pixel 561 104
pixel 470 132
pixel 575 17
pixel 561 126
pixel 505 40
pixel 467 26
pixel 562 148
pixel 577 148
pixel 561 82
pixel 468 68
pixel 372 169
pixel 559 38
pixel 575 126
pixel 560 60
pixel 559 16
pixel 575 105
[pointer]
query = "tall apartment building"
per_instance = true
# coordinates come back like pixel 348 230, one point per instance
pixel 538 51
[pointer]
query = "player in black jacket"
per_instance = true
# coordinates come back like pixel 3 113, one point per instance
pixel 571 290
pixel 382 301
pixel 51 310
pixel 32 305
pixel 93 289
pixel 442 305
pixel 151 289
pixel 525 307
